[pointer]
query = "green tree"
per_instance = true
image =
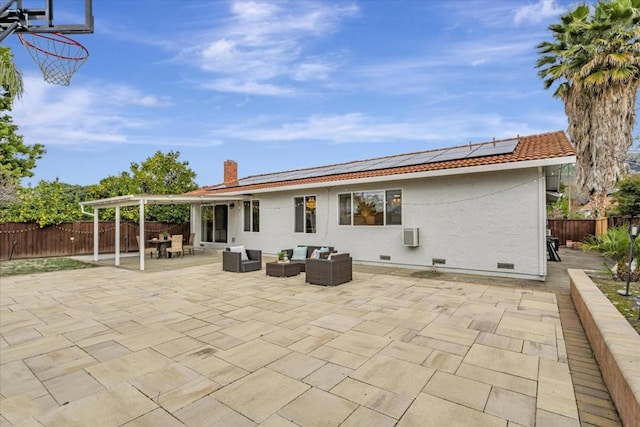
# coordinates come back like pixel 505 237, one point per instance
pixel 164 174
pixel 158 174
pixel 48 203
pixel 627 198
pixel 10 76
pixel 595 62
pixel 17 159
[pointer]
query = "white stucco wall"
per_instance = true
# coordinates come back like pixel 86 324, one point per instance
pixel 473 221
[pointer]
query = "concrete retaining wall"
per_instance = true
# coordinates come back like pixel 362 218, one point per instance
pixel 615 344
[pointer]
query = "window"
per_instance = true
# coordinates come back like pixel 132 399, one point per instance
pixel 371 208
pixel 252 215
pixel 344 201
pixel 305 214
pixel 206 223
pixel 394 207
pixel 368 207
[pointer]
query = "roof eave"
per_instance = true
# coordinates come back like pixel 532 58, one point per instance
pixel 524 164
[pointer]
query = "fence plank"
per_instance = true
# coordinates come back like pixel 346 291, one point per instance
pixel 576 230
pixel 34 242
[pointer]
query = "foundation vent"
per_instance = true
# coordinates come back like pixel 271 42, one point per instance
pixel 506 265
pixel 440 261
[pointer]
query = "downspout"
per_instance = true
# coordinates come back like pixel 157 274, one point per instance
pixel 542 226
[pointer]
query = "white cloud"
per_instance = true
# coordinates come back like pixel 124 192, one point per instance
pixel 362 128
pixel 252 10
pixel 249 88
pixel 266 41
pixel 84 116
pixel 312 71
pixel 535 13
pixel 127 95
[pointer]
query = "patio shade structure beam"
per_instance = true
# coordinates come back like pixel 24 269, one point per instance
pixel 140 200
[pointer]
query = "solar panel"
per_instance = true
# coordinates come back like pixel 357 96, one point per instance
pixel 392 162
pixel 417 159
pixel 347 167
pixel 492 149
pixel 451 154
pixel 375 164
pixel 413 159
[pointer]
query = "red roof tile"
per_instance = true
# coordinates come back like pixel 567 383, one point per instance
pixel 534 147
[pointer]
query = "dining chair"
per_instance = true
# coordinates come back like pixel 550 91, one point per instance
pixel 189 246
pixel 176 245
pixel 147 250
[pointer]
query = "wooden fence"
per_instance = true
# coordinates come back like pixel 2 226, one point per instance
pixel 28 240
pixel 578 230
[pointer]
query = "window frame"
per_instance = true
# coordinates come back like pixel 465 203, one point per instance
pixel 385 207
pixel 251 216
pixel 309 219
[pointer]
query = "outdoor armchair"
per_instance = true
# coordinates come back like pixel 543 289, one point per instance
pixel 329 272
pixel 232 261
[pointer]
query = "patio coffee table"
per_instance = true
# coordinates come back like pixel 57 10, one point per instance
pixel 282 269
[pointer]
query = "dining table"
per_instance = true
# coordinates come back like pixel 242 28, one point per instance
pixel 161 245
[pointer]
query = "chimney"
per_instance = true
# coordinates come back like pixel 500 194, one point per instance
pixel 230 173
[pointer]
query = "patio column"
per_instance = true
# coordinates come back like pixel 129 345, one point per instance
pixel 117 242
pixel 95 233
pixel 142 241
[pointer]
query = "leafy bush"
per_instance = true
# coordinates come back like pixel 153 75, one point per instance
pixel 615 245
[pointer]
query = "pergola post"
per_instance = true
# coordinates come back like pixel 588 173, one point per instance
pixel 142 241
pixel 95 233
pixel 117 242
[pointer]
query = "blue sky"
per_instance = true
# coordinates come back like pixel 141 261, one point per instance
pixel 278 85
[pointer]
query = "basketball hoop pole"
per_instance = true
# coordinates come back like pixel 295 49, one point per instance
pixel 10 30
pixel 6 6
pixel 14 25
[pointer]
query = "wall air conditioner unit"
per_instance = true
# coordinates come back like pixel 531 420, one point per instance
pixel 410 237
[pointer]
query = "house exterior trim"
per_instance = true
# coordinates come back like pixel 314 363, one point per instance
pixel 405 176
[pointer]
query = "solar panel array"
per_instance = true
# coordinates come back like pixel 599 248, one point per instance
pixel 414 159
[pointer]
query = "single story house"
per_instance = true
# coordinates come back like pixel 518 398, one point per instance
pixel 474 208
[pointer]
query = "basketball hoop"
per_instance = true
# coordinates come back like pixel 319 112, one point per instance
pixel 57 55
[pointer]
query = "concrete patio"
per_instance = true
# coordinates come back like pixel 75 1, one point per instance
pixel 198 346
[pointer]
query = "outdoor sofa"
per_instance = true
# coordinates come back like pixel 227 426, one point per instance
pixel 306 255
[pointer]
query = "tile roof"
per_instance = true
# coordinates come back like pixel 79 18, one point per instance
pixel 533 147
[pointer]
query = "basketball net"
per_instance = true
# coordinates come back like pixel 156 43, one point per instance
pixel 57 55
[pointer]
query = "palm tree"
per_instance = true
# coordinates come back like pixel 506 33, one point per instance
pixel 10 76
pixel 595 59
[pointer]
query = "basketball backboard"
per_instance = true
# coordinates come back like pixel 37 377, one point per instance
pixel 37 16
